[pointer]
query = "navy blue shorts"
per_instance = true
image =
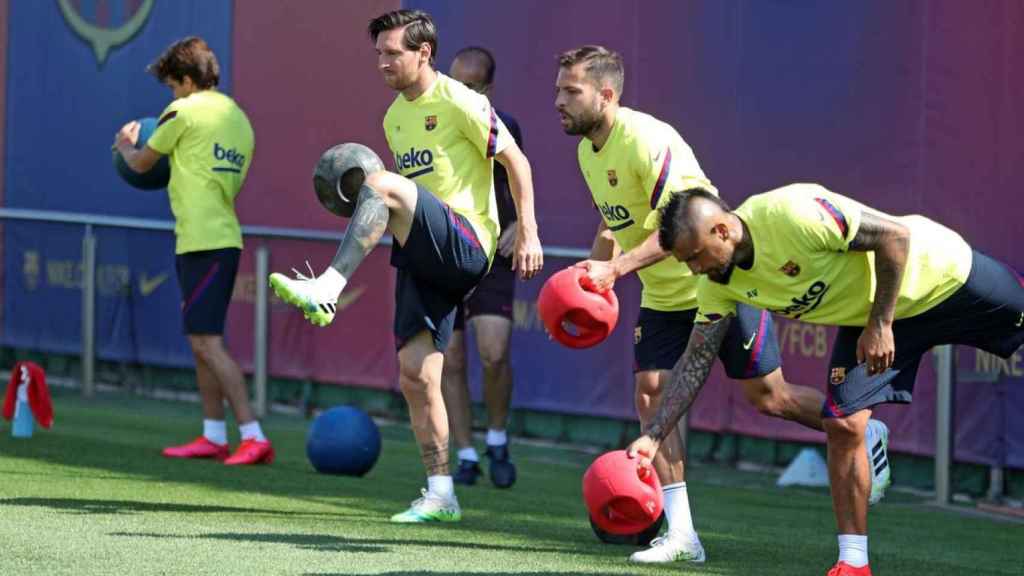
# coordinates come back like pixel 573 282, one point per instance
pixel 750 348
pixel 493 296
pixel 441 261
pixel 987 313
pixel 207 279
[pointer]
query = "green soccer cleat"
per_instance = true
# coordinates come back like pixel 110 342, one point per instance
pixel 430 508
pixel 305 293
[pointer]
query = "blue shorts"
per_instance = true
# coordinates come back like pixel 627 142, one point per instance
pixel 750 348
pixel 987 313
pixel 207 279
pixel 441 262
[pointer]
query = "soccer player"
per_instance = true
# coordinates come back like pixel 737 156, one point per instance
pixel 210 144
pixel 489 311
pixel 441 211
pixel 629 160
pixel 895 287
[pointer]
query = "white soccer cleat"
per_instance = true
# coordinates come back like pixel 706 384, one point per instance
pixel 430 508
pixel 318 305
pixel 876 439
pixel 670 548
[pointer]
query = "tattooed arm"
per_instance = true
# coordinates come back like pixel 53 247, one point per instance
pixel 369 222
pixel 890 241
pixel 688 377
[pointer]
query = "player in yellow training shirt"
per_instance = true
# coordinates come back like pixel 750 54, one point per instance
pixel 441 211
pixel 210 144
pixel 629 161
pixel 895 286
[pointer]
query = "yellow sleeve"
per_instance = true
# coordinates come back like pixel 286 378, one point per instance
pixel 825 220
pixel 479 123
pixel 170 126
pixel 713 303
pixel 670 168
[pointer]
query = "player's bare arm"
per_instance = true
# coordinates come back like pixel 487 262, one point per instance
pixel 138 160
pixel 688 377
pixel 890 241
pixel 603 274
pixel 369 222
pixel 528 258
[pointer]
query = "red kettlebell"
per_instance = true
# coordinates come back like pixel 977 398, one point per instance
pixel 573 314
pixel 621 496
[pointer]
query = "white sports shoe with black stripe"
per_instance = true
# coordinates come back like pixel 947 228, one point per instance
pixel 876 439
pixel 317 305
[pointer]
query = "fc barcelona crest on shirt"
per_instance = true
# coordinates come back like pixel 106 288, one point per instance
pixel 790 268
pixel 430 123
pixel 613 179
pixel 837 376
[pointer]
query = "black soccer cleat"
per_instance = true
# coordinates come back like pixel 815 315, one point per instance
pixel 502 470
pixel 467 473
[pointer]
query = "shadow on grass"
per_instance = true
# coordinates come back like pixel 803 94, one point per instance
pixel 87 506
pixel 329 543
pixel 467 573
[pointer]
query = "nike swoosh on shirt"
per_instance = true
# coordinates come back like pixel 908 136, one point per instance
pixel 149 285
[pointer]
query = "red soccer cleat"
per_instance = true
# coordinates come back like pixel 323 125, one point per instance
pixel 252 452
pixel 198 448
pixel 844 569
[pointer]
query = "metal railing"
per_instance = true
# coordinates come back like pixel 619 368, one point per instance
pixel 944 355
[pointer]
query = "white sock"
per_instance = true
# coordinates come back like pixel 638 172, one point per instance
pixel 252 431
pixel 332 281
pixel 853 549
pixel 677 508
pixel 469 454
pixel 441 486
pixel 496 437
pixel 215 431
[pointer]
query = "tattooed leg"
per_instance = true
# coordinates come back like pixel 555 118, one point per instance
pixel 368 224
pixel 419 377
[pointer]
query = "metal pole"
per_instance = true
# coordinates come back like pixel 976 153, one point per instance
pixel 88 311
pixel 945 364
pixel 259 354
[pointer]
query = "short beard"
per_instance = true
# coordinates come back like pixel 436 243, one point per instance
pixel 724 276
pixel 583 126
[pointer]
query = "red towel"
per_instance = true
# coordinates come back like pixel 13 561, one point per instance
pixel 38 394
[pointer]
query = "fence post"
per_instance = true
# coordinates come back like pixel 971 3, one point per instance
pixel 945 368
pixel 88 311
pixel 260 328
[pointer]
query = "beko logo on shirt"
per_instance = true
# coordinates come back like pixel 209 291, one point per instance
pixel 421 161
pixel 617 216
pixel 228 154
pixel 806 303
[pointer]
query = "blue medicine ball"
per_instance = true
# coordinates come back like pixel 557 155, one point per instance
pixel 156 177
pixel 343 440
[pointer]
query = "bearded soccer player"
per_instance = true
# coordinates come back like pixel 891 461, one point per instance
pixel 895 287
pixel 210 144
pixel 629 160
pixel 441 211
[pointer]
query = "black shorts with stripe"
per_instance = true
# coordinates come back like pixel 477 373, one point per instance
pixel 207 279
pixel 442 261
pixel 987 312
pixel 750 348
